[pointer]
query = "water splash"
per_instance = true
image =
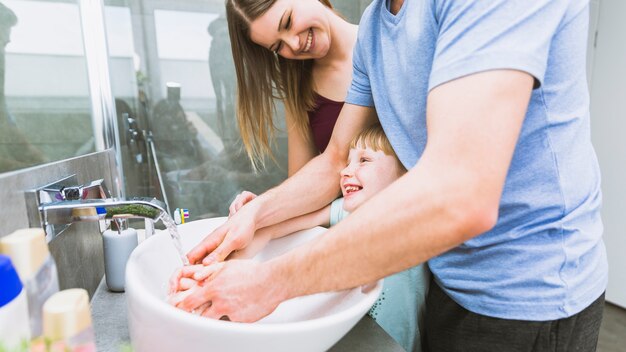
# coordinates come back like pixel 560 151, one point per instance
pixel 173 230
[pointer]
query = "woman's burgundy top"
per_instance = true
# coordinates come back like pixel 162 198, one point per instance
pixel 322 120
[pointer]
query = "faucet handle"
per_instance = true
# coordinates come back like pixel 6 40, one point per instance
pixel 95 190
pixel 62 191
pixel 71 193
pixel 66 189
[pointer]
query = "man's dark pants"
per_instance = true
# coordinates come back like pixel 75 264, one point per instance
pixel 450 327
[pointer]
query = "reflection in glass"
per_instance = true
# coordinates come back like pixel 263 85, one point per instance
pixel 45 110
pixel 222 76
pixel 15 151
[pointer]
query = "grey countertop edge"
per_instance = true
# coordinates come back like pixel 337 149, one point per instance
pixel 110 323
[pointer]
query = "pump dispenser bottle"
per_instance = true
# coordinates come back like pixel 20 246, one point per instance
pixel 117 245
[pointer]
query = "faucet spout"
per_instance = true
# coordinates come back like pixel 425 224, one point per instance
pixel 70 211
pixel 63 203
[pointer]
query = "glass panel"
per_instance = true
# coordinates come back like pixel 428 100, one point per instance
pixel 45 111
pixel 173 75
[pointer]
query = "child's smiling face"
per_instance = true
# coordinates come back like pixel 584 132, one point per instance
pixel 368 172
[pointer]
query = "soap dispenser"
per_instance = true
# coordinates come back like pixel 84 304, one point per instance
pixel 118 243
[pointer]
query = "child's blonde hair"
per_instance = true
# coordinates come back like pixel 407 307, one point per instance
pixel 373 137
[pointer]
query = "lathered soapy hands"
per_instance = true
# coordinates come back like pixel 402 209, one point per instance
pixel 220 289
pixel 224 290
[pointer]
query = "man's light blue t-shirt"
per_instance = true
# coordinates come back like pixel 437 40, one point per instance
pixel 401 306
pixel 545 258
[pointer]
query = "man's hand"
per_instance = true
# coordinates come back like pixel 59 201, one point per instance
pixel 233 235
pixel 236 290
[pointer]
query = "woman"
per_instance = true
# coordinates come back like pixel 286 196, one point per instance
pixel 299 51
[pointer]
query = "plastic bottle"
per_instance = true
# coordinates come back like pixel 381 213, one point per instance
pixel 34 264
pixel 67 322
pixel 14 325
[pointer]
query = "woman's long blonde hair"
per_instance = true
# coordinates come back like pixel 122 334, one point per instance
pixel 263 76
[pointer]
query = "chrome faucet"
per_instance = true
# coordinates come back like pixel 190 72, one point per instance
pixel 60 204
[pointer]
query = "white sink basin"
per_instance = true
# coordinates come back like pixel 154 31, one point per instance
pixel 310 323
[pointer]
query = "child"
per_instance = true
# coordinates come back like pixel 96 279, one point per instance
pixel 372 166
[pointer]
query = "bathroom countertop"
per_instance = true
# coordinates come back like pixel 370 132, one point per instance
pixel 110 323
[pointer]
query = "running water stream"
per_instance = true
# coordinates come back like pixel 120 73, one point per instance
pixel 173 230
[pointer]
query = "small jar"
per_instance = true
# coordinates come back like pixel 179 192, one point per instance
pixel 14 323
pixel 67 322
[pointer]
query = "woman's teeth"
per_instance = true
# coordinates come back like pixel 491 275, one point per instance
pixel 309 40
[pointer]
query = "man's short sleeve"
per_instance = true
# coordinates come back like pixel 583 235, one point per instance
pixel 482 35
pixel 360 92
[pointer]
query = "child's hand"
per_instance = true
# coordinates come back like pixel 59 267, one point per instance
pixel 242 199
pixel 179 281
pixel 179 296
pixel 182 283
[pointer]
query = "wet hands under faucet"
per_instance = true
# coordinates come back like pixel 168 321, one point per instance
pixel 186 279
pixel 235 289
pixel 214 288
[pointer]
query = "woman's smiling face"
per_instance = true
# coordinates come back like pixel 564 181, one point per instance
pixel 294 29
pixel 368 172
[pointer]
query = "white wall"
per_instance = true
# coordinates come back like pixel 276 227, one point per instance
pixel 608 128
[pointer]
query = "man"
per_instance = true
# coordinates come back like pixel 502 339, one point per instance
pixel 486 104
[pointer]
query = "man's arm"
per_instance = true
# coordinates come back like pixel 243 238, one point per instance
pixel 450 196
pixel 311 188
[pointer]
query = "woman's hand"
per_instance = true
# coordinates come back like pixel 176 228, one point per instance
pixel 236 290
pixel 235 234
pixel 242 199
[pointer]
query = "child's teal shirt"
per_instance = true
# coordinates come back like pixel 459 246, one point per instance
pixel 401 306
